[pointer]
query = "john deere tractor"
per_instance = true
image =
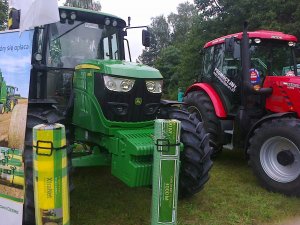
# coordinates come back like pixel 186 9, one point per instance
pixel 8 97
pixel 80 78
pixel 248 98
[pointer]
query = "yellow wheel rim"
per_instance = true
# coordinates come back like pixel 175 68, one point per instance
pixel 2 110
pixel 11 105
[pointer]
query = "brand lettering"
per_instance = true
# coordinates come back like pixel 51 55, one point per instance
pixel 225 80
pixel 49 187
pixel 168 189
pixel 291 85
pixel 9 209
pixel 167 192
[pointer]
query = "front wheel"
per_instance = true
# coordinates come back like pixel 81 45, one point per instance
pixel 275 155
pixel 195 158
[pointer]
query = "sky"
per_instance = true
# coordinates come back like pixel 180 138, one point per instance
pixel 15 59
pixel 140 12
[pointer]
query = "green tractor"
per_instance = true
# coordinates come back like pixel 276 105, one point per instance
pixel 12 97
pixel 8 97
pixel 3 94
pixel 80 78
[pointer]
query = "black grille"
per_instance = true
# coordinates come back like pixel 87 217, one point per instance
pixel 126 106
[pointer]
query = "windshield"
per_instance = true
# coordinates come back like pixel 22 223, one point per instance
pixel 273 58
pixel 70 44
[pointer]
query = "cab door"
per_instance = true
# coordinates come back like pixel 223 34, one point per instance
pixel 226 78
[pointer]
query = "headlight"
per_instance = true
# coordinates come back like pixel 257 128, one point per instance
pixel 118 84
pixel 154 86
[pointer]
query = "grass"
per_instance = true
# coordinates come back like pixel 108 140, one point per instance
pixel 231 197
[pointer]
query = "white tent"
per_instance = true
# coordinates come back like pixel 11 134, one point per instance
pixel 36 12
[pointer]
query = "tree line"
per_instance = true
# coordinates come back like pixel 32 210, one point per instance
pixel 178 38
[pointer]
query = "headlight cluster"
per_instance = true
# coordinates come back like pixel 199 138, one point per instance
pixel 125 85
pixel 154 86
pixel 118 84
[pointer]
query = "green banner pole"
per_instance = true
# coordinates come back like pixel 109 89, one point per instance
pixel 51 189
pixel 165 172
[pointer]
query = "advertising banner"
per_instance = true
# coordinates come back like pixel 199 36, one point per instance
pixel 15 66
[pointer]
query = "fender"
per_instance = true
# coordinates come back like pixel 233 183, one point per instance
pixel 213 95
pixel 262 120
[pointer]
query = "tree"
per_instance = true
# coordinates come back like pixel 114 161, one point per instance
pixel 227 16
pixel 167 64
pixel 3 14
pixel 85 4
pixel 182 21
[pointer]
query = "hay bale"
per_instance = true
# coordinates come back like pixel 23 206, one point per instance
pixel 17 127
pixel 11 191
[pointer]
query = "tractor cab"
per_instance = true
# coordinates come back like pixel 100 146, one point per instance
pixel 11 91
pixel 271 54
pixel 79 35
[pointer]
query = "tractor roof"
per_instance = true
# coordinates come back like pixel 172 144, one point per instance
pixel 89 14
pixel 263 34
pixel 89 11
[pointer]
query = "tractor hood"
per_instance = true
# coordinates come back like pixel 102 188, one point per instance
pixel 121 69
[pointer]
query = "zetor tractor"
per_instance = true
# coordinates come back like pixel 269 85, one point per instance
pixel 248 97
pixel 80 78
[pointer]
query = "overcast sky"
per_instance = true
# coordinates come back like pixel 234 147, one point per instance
pixel 140 12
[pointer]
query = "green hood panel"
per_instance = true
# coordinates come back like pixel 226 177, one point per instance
pixel 125 69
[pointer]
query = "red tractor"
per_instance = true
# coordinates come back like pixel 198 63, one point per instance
pixel 249 98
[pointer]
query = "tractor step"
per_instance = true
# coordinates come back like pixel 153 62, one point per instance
pixel 229 146
pixel 228 132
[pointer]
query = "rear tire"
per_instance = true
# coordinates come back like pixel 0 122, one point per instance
pixel 37 116
pixel 195 158
pixel 274 155
pixel 198 102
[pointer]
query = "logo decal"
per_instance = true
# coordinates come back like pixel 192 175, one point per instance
pixel 138 101
pixel 225 80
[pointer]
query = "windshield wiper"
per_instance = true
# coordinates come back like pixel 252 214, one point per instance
pixel 68 31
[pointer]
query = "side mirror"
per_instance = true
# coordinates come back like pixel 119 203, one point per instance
pixel 146 38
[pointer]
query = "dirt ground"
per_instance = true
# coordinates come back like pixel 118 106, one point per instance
pixel 4 125
pixel 295 221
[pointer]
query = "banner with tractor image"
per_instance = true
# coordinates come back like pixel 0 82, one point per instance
pixel 15 66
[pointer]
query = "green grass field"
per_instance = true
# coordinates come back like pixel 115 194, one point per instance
pixel 232 196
